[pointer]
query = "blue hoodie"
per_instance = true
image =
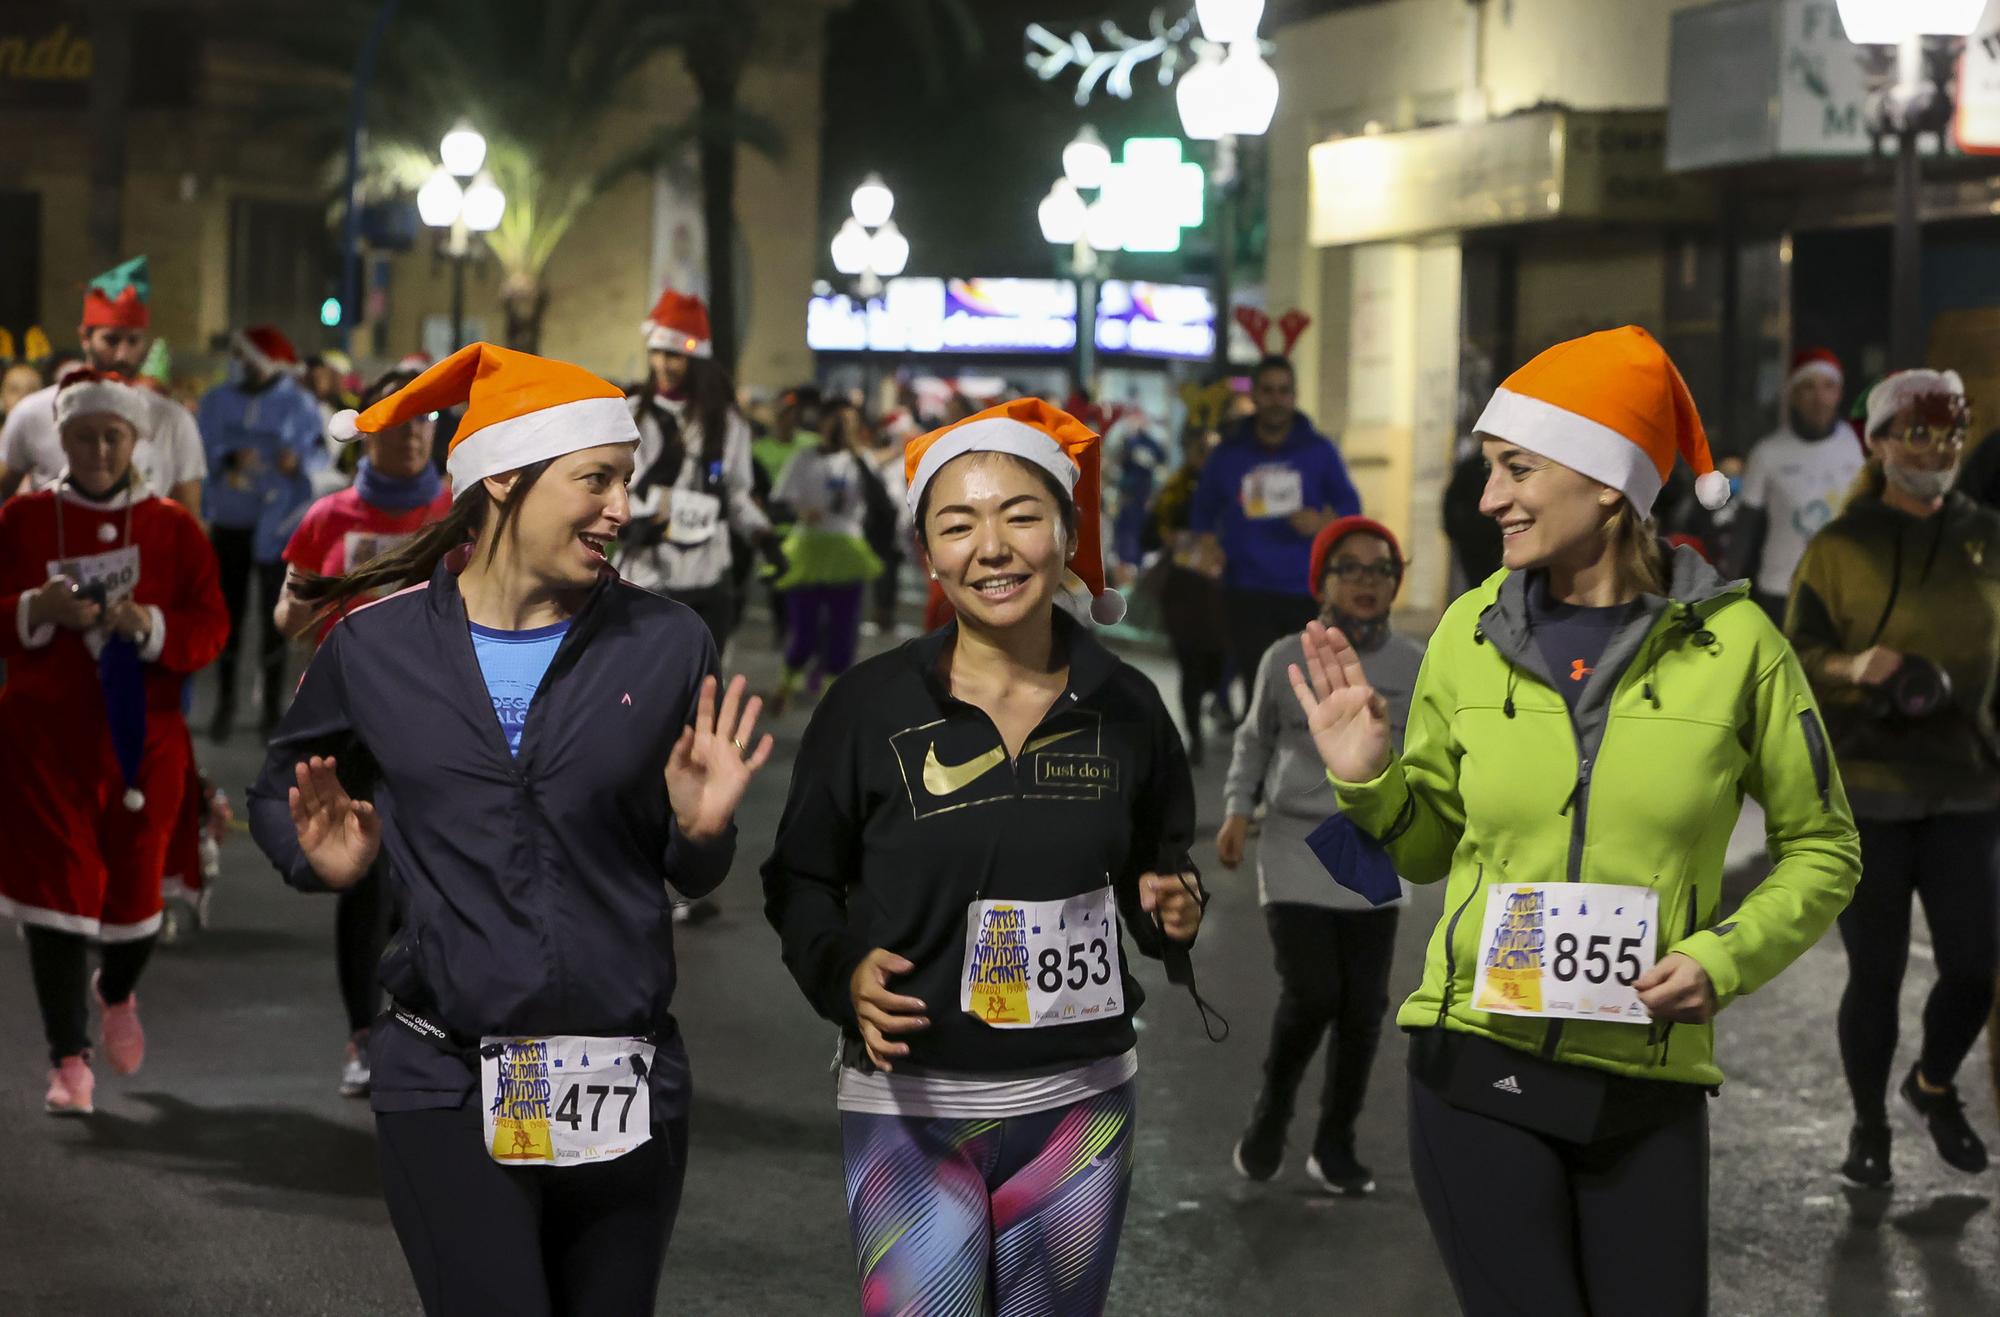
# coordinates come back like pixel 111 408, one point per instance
pixel 1261 549
pixel 279 417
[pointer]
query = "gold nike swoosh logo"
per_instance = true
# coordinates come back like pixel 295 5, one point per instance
pixel 948 779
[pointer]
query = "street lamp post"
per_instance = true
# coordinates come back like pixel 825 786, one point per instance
pixel 870 248
pixel 1914 104
pixel 1087 228
pixel 448 201
pixel 1230 93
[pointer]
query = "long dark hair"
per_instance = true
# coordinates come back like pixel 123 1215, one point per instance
pixel 711 402
pixel 417 560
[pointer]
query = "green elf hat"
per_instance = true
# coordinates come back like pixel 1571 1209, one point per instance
pixel 119 298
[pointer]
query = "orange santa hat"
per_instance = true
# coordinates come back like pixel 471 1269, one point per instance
pixel 1610 406
pixel 520 409
pixel 679 323
pixel 1058 443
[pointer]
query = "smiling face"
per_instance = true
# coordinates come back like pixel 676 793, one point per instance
pixel 1360 579
pixel 99 448
pixel 565 522
pixel 1548 514
pixel 995 534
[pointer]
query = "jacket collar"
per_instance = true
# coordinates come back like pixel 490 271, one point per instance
pixel 1090 663
pixel 448 605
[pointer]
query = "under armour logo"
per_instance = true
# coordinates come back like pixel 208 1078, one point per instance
pixel 1577 670
pixel 626 699
pixel 1508 1085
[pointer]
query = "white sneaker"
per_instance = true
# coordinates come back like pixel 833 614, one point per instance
pixel 354 1073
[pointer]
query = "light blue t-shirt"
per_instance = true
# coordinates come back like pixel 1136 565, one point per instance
pixel 513 663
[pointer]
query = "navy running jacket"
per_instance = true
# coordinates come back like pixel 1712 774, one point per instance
pixel 532 890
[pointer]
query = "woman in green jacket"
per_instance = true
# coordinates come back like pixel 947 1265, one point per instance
pixel 1583 733
pixel 1895 612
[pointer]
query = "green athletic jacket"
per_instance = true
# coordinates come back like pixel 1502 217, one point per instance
pixel 1696 702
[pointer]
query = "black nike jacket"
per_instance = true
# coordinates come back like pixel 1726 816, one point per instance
pixel 904 809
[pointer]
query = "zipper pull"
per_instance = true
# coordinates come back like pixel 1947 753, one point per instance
pixel 1582 784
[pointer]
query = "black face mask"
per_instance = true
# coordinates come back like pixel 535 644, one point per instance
pixel 1365 634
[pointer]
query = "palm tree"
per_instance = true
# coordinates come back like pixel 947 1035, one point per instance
pixel 541 80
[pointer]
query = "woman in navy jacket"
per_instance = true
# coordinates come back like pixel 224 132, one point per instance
pixel 536 747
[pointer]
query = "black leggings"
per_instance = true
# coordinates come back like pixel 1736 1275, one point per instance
pixel 60 965
pixel 485 1238
pixel 1533 1225
pixel 1949 862
pixel 1333 976
pixel 235 561
pixel 716 606
pixel 362 924
pixel 1257 620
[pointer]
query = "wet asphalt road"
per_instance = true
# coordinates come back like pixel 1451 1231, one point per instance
pixel 228 1177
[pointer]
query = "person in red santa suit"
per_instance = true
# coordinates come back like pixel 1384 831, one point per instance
pixel 109 600
pixel 395 495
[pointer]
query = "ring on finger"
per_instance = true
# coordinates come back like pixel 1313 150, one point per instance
pixel 738 744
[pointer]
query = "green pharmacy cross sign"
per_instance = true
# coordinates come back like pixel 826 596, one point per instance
pixel 1155 193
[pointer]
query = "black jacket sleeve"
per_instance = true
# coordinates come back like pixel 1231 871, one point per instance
pixel 315 724
pixel 1163 822
pixel 817 859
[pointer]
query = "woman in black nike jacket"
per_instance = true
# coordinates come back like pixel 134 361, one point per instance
pixel 972 817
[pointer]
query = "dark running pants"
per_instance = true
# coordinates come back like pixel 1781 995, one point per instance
pixel 535 1241
pixel 1535 1225
pixel 1947 861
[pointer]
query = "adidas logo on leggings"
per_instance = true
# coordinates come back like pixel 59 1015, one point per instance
pixel 1508 1085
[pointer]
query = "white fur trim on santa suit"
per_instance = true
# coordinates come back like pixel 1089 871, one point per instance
pixel 1579 443
pixel 997 434
pixel 79 924
pixel 1905 387
pixel 156 636
pixel 1816 370
pixel 100 398
pixel 660 338
pixel 32 637
pixel 519 441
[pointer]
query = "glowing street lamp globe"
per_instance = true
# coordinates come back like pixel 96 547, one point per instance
pixel 1201 99
pixel 1087 160
pixel 851 248
pixel 1890 22
pixel 1226 22
pixel 463 150
pixel 484 204
pixel 873 202
pixel 889 251
pixel 440 199
pixel 1062 214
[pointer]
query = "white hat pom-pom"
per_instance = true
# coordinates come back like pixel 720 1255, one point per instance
pixel 135 799
pixel 342 424
pixel 1712 490
pixel 1108 609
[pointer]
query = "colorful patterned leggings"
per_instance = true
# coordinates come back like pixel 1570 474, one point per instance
pixel 961 1218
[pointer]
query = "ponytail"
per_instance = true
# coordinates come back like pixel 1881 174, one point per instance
pixel 417 561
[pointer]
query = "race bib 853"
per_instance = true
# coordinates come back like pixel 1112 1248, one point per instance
pixel 1033 964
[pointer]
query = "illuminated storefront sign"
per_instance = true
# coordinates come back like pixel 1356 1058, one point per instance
pixel 1013 316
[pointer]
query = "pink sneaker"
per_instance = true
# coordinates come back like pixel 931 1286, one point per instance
pixel 70 1087
pixel 124 1040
